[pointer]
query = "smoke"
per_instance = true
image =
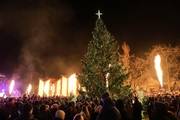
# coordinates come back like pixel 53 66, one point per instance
pixel 45 50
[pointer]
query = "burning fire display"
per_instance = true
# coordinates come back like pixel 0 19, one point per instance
pixel 159 72
pixel 41 88
pixel 67 86
pixel 62 87
pixel 72 85
pixel 58 88
pixel 11 87
pixel 28 90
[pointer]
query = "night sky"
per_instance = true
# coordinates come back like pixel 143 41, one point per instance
pixel 51 36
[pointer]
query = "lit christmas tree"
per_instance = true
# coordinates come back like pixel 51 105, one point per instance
pixel 101 68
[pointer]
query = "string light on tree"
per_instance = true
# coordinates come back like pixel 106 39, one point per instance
pixel 107 76
pixel 107 82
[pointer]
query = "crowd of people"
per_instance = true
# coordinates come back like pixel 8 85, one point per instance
pixel 164 107
pixel 82 108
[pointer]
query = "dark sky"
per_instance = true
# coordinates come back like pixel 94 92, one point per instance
pixel 51 36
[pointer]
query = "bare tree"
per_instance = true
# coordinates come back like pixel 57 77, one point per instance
pixel 126 55
pixel 142 69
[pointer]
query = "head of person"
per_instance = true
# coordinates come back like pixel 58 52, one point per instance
pixel 105 95
pixel 28 109
pixel 136 99
pixel 98 109
pixel 120 104
pixel 60 114
pixel 106 101
pixel 43 107
pixel 78 117
pixel 160 108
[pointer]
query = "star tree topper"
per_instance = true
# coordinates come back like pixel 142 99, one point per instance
pixel 99 14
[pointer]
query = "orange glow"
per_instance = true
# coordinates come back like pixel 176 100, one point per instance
pixel 107 82
pixel 72 85
pixel 52 90
pixel 29 88
pixel 47 88
pixel 58 88
pixel 64 86
pixel 41 88
pixel 11 86
pixel 159 72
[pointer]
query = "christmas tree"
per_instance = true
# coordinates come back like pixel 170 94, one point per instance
pixel 101 68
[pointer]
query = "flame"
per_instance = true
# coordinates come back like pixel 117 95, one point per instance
pixel 52 89
pixel 29 88
pixel 64 86
pixel 11 86
pixel 2 94
pixel 158 68
pixel 47 87
pixel 41 88
pixel 58 87
pixel 72 84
